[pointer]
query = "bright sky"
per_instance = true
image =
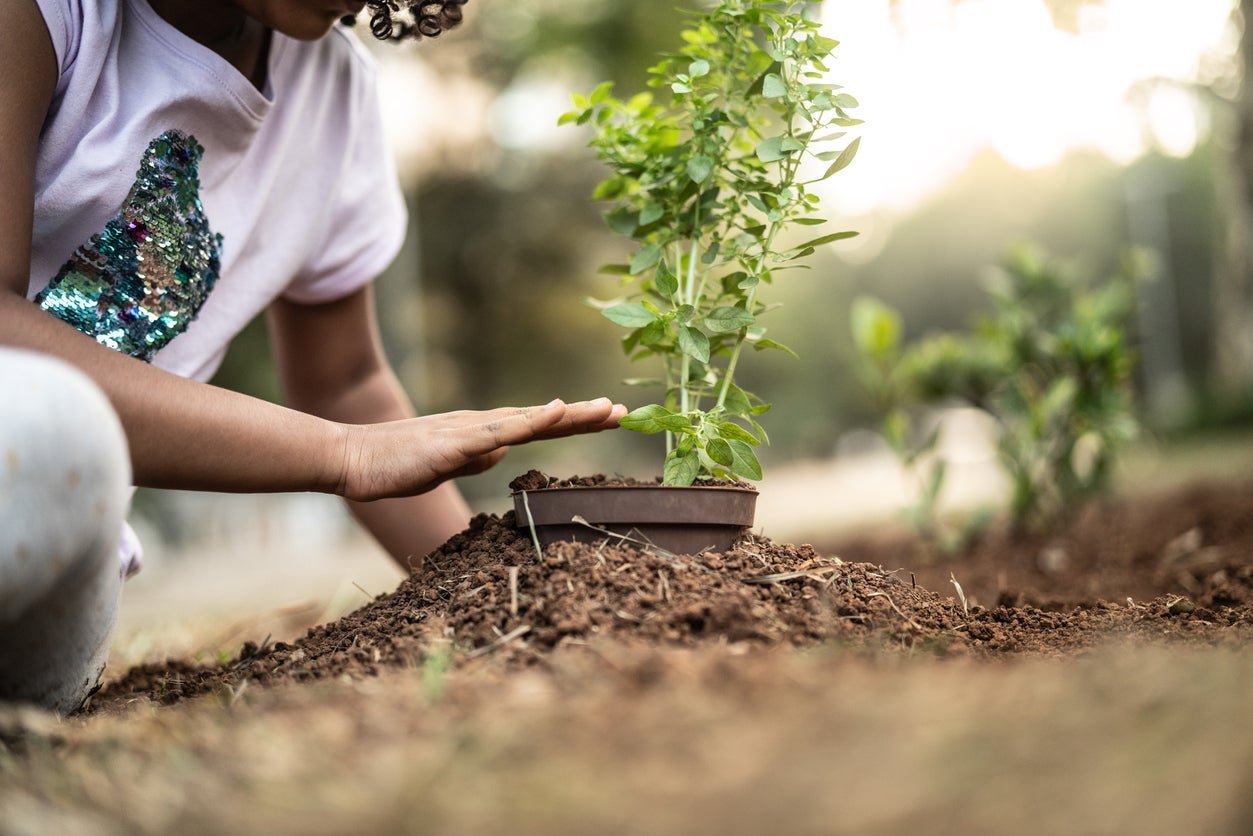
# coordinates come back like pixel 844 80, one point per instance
pixel 940 81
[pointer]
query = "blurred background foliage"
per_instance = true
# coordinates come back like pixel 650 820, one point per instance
pixel 483 306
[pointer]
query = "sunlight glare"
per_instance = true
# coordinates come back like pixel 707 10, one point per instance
pixel 1173 120
pixel 942 80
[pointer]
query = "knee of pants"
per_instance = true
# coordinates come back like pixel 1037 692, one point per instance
pixel 64 476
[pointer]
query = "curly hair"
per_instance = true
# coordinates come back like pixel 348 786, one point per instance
pixel 398 20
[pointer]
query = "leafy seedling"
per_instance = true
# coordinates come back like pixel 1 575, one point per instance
pixel 710 173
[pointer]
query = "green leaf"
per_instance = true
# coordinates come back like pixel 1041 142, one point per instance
pixel 681 469
pixel 791 255
pixel 810 221
pixel 823 45
pixel 699 167
pixel 698 68
pixel 744 460
pixel 827 239
pixel 759 429
pixel 737 402
pixel 1059 400
pixel 876 328
pixel 614 269
pixel 601 92
pixel 654 418
pixel 896 425
pixel 844 100
pixel 629 315
pixel 667 283
pixel 733 432
pixel 648 255
pixel 609 188
pixel 720 451
pixel 842 161
pixel 653 334
pixel 727 318
pixel 773 86
pixel 769 150
pixel 621 221
pixel 764 343
pixel 693 343
pixel 650 213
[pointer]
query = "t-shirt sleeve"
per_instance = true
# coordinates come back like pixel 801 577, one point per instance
pixel 64 19
pixel 366 221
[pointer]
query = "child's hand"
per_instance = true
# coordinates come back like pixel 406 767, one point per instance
pixel 402 458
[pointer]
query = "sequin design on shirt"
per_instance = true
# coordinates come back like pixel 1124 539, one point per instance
pixel 137 284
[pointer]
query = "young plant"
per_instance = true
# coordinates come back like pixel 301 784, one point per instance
pixel 706 178
pixel 1050 364
pixel 876 331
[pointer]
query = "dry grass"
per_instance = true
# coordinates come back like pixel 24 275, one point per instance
pixel 618 740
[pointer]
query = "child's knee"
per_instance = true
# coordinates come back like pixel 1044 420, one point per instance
pixel 64 476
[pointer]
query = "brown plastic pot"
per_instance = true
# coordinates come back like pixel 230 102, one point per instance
pixel 681 520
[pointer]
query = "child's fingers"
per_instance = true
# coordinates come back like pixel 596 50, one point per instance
pixel 511 424
pixel 588 417
pixel 554 420
pixel 507 427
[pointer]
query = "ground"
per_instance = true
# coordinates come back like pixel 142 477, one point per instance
pixel 1095 680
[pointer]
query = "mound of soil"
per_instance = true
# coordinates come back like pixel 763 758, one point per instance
pixel 487 591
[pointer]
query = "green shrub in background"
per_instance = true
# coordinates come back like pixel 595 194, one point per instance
pixel 1050 363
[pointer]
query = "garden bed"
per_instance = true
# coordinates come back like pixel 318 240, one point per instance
pixel 1174 568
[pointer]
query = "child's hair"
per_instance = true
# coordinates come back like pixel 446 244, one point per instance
pixel 398 20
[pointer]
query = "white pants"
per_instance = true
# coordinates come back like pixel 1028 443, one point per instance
pixel 64 487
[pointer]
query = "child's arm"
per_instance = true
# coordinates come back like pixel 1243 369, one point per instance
pixel 190 435
pixel 331 364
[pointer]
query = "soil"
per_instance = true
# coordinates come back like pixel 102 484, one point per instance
pixel 1195 542
pixel 1174 568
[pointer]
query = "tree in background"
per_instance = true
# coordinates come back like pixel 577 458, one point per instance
pixel 1231 287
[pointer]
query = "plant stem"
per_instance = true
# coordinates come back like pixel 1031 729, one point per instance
pixel 743 333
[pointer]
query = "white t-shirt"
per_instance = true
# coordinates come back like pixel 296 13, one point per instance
pixel 174 200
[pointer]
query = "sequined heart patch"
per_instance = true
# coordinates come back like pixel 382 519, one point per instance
pixel 140 282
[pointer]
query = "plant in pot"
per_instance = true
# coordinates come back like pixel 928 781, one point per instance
pixel 708 179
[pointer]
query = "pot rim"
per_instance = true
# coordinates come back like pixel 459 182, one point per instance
pixel 563 488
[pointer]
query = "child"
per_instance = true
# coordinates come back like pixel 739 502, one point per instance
pixel 169 169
